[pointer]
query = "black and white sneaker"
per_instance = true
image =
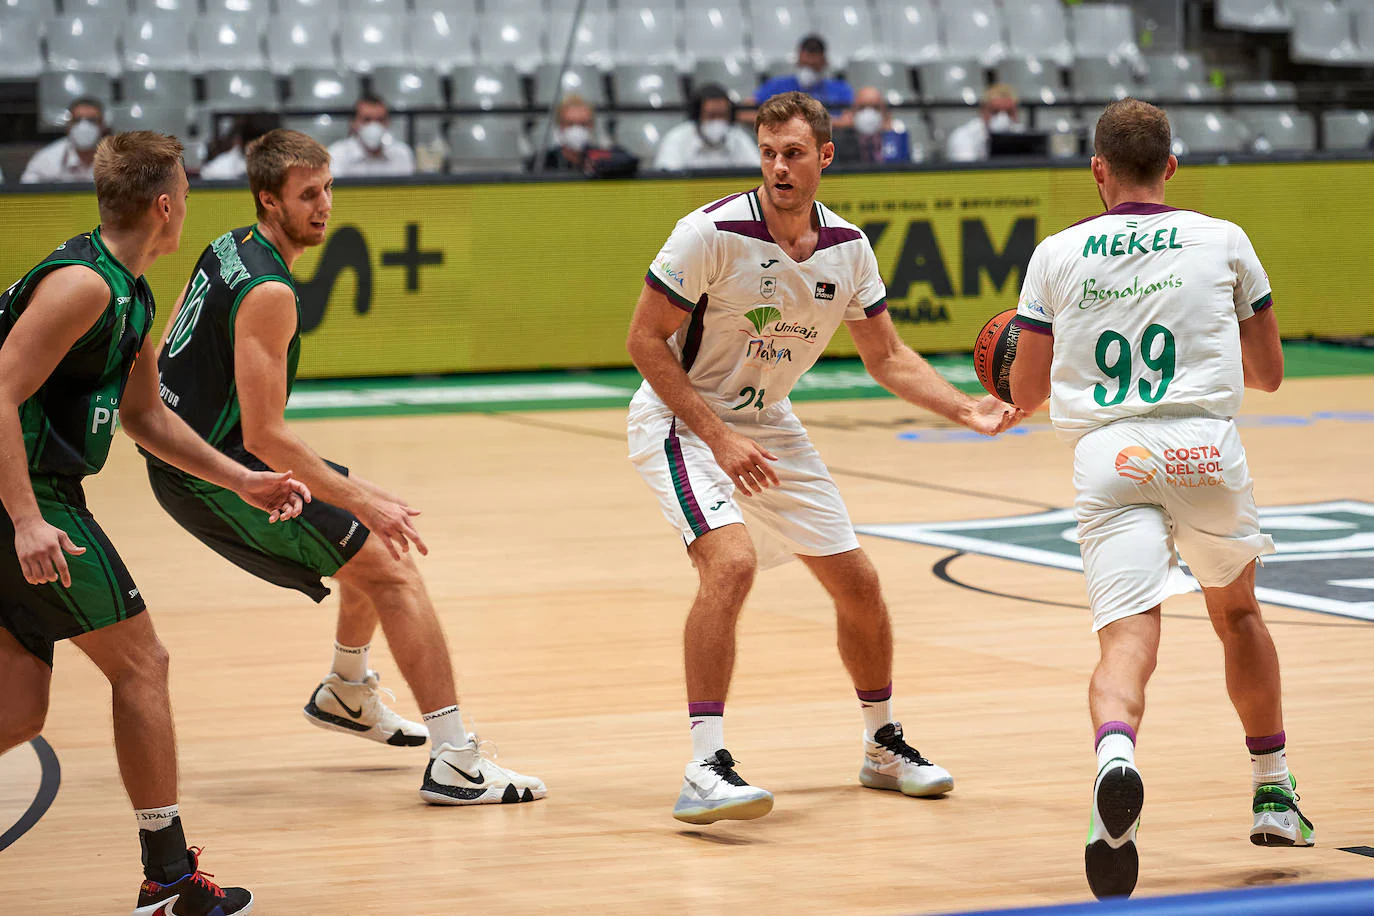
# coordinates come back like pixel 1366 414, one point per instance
pixel 469 775
pixel 357 709
pixel 712 791
pixel 192 895
pixel 1110 858
pixel 891 763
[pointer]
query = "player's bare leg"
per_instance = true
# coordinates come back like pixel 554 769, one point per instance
pixel 465 774
pixel 24 683
pixel 864 634
pixel 1253 682
pixel 711 789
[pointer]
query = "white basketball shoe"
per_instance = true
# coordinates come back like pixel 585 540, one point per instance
pixel 1110 858
pixel 469 775
pixel 357 709
pixel 712 791
pixel 891 763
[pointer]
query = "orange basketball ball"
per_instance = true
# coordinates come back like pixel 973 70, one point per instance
pixel 993 353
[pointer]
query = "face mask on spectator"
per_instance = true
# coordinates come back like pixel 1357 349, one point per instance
pixel 868 121
pixel 714 131
pixel 1001 123
pixel 371 135
pixel 84 134
pixel 808 77
pixel 574 136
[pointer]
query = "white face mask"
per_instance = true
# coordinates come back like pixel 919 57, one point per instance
pixel 868 121
pixel 371 135
pixel 714 131
pixel 575 136
pixel 808 77
pixel 84 134
pixel 1001 123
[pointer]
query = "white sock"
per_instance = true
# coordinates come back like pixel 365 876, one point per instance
pixel 445 727
pixel 877 713
pixel 154 819
pixel 350 662
pixel 708 735
pixel 1115 747
pixel 1269 768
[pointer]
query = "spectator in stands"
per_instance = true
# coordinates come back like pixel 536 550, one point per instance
pixel 370 149
pixel 225 156
pixel 868 134
pixel 810 77
pixel 575 149
pixel 72 158
pixel 709 138
pixel 1000 113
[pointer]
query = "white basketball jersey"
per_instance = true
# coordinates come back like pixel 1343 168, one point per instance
pixel 759 319
pixel 1145 303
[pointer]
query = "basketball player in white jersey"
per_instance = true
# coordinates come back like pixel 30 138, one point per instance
pixel 743 298
pixel 1144 325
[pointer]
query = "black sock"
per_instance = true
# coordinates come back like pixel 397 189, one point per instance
pixel 165 859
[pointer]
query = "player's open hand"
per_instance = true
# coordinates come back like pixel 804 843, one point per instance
pixel 281 496
pixel 41 548
pixel 991 416
pixel 393 521
pixel 747 463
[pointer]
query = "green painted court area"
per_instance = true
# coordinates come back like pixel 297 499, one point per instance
pixel 830 380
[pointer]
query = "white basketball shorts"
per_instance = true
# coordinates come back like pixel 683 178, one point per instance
pixel 803 515
pixel 1146 485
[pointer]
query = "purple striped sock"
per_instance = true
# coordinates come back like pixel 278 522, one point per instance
pixel 705 709
pixel 876 696
pixel 1114 728
pixel 1266 745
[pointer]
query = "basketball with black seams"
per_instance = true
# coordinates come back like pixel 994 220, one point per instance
pixel 993 353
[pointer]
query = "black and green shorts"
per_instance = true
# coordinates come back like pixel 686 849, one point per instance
pixel 102 591
pixel 292 554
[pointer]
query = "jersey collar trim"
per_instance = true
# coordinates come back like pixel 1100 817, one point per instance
pixel 257 236
pixel 1129 208
pixel 99 244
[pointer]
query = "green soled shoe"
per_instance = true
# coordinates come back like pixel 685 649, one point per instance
pixel 1278 822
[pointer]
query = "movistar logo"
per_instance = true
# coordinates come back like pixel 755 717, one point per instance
pixel 760 317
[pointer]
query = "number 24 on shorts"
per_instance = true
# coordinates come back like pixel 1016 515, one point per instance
pixel 1120 367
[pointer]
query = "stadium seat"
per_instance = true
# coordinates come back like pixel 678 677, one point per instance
pixel 1174 77
pixel 1037 28
pixel 56 91
pixel 487 86
pixel 592 45
pixel 186 8
pixel 258 8
pixel 582 80
pixel 1207 131
pixel 165 89
pixel 83 42
pixel 296 40
pixel 370 40
pixel 241 90
pixel 440 40
pixel 1279 129
pixel 644 33
pixel 893 81
pixel 160 40
pixel 1323 34
pixel 1033 79
pixel 973 29
pixel 646 85
pixel 511 38
pixel 405 88
pixel 1099 79
pixel 487 143
pixel 1347 130
pixel 461 10
pixel 1056 120
pixel 20 56
pixel 325 128
pixel 330 9
pixel 913 122
pixel 110 9
pixel 777 28
pixel 174 121
pixel 911 31
pixel 848 29
pixel 1264 90
pixel 1364 33
pixel 1104 30
pixel 390 7
pixel 229 41
pixel 34 10
pixel 322 87
pixel 952 81
pixel 943 121
pixel 713 31
pixel 641 133
pixel 1253 15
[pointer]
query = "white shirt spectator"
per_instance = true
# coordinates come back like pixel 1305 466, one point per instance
pixel 57 162
pixel 228 165
pixel 968 143
pixel 683 147
pixel 351 158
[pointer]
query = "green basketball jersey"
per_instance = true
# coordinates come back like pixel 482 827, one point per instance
pixel 197 359
pixel 69 423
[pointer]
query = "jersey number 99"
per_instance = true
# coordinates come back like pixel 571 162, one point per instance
pixel 1113 353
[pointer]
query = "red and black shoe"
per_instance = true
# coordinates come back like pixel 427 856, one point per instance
pixel 192 895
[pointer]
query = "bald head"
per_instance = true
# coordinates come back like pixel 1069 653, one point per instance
pixel 870 97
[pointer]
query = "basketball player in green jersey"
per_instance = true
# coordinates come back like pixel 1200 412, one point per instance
pixel 71 334
pixel 228 365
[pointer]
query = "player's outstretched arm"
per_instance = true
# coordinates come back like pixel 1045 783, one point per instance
pixel 1030 371
pixel 1261 351
pixel 902 371
pixel 263 329
pixel 655 320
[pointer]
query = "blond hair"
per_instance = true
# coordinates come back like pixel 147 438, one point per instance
pixel 274 154
pixel 131 171
pixel 1134 139
pixel 785 106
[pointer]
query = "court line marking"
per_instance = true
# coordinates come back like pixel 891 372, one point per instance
pixel 49 782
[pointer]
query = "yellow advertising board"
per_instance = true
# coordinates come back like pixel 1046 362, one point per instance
pixel 489 277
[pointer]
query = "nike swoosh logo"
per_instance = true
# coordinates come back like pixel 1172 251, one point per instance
pixel 357 714
pixel 475 780
pixel 696 723
pixel 168 910
pixel 770 263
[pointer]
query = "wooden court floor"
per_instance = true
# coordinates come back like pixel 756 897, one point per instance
pixel 564 592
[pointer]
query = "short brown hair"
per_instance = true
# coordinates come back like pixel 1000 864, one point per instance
pixel 274 154
pixel 131 170
pixel 785 106
pixel 1133 138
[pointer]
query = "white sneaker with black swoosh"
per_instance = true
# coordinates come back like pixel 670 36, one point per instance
pixel 469 775
pixel 712 791
pixel 357 709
